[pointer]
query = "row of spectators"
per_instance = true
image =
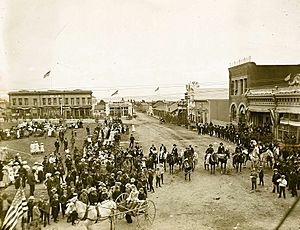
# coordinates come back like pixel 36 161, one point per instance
pixel 37 129
pixel 99 171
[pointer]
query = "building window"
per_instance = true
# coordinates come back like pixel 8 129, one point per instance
pixel 49 101
pixel 66 101
pixel 34 101
pixel 232 88
pixel 242 86
pixel 54 101
pixel 77 101
pixel 20 101
pixel 14 101
pixel 83 100
pixel 25 101
pixel 72 101
pixel 89 101
pixel 60 100
pixel 44 101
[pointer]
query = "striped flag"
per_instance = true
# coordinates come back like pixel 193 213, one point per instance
pixel 16 210
pixel 47 74
pixel 156 89
pixel 115 93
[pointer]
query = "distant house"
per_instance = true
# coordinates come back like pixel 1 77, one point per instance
pixel 171 111
pixel 99 110
pixel 3 108
pixel 206 104
pixel 119 109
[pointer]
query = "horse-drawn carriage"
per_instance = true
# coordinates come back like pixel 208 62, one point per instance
pixel 144 211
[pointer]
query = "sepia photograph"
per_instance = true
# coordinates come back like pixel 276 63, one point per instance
pixel 149 114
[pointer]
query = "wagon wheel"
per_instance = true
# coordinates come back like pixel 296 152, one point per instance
pixel 121 205
pixel 146 214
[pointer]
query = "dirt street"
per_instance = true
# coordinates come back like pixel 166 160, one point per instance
pixel 210 201
pixel 207 201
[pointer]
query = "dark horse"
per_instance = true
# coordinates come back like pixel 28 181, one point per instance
pixel 171 161
pixel 187 166
pixel 222 158
pixel 238 161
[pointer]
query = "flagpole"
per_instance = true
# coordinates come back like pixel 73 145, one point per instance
pixel 51 83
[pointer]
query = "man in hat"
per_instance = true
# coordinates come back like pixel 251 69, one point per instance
pixel 56 145
pixel 253 177
pixel 209 150
pixel 31 181
pixel 131 140
pixel 30 204
pixel 282 185
pixel 55 207
pixel 275 178
pixel 23 175
pixel 46 210
pixel 261 175
pixel 221 149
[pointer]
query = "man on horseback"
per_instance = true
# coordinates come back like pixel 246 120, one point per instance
pixel 208 152
pixel 175 153
pixel 187 168
pixel 221 149
pixel 162 155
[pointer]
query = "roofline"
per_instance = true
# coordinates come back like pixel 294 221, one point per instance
pixel 49 92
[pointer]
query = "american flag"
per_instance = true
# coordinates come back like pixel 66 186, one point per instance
pixel 16 210
pixel 115 93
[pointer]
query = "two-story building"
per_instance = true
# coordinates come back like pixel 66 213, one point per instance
pixel 206 105
pixel 281 106
pixel 119 109
pixel 248 76
pixel 51 104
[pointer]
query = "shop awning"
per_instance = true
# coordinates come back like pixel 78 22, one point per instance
pixel 292 123
pixel 293 110
pixel 258 109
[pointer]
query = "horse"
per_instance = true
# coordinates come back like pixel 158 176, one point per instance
pixel 254 157
pixel 222 158
pixel 195 160
pixel 267 157
pixel 171 162
pixel 238 160
pixel 91 214
pixel 212 160
pixel 187 166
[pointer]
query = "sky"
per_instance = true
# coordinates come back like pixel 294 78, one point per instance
pixel 135 46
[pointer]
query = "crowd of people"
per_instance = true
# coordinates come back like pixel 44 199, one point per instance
pixel 102 170
pixel 98 171
pixel 242 134
pixel 37 128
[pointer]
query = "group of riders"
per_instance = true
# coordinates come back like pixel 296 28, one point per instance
pixel 186 159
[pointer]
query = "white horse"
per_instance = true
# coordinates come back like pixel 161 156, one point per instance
pixel 91 214
pixel 254 157
pixel 267 157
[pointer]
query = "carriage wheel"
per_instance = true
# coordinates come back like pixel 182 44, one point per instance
pixel 146 214
pixel 121 206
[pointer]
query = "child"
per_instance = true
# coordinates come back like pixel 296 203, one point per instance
pixel 261 176
pixel 132 199
pixel 253 177
pixel 158 175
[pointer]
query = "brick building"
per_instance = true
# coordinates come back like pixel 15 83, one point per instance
pixel 51 104
pixel 248 76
